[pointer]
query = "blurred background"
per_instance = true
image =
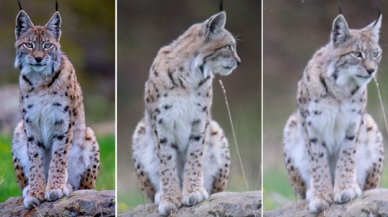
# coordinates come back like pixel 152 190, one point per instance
pixel 293 31
pixel 88 39
pixel 143 28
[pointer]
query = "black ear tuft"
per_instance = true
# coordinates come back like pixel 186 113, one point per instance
pixel 20 6
pixel 56 5
pixel 378 17
pixel 339 8
pixel 221 5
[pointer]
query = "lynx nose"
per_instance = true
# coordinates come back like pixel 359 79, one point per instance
pixel 38 59
pixel 370 71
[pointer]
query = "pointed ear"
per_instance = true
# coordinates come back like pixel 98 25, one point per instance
pixel 216 23
pixel 375 27
pixel 23 23
pixel 340 31
pixel 54 25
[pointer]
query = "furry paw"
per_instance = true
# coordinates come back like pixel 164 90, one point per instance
pixel 30 202
pixel 347 194
pixel 26 190
pixel 158 197
pixel 167 208
pixel 192 198
pixel 32 198
pixel 56 193
pixel 319 202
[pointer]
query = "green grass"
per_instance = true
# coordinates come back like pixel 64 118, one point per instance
pixel 9 188
pixel 275 181
pixel 106 177
pixel 127 203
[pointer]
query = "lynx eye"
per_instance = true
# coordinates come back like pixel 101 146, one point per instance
pixel 376 54
pixel 28 45
pixel 230 47
pixel 357 54
pixel 48 46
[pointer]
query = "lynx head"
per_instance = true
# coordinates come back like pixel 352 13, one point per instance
pixel 37 47
pixel 355 53
pixel 213 46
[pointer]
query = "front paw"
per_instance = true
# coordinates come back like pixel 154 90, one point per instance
pixel 30 202
pixel 57 192
pixel 168 206
pixel 320 202
pixel 347 194
pixel 32 198
pixel 158 197
pixel 194 197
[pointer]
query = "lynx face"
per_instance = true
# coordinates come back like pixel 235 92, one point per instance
pixel 356 52
pixel 37 47
pixel 214 45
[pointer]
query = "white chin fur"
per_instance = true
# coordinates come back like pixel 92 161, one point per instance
pixel 38 68
pixel 225 73
pixel 362 81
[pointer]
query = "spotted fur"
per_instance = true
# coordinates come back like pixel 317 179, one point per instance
pixel 53 151
pixel 177 137
pixel 333 149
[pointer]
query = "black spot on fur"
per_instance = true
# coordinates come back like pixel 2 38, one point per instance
pixel 174 146
pixel 195 137
pixel 323 82
pixel 317 112
pixel 54 79
pixel 182 85
pixel 163 140
pixel 26 80
pixel 203 81
pixel 355 90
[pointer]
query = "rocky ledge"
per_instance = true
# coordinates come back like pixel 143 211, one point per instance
pixel 230 204
pixel 370 203
pixel 79 203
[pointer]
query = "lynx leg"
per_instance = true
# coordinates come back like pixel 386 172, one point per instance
pixel 217 160
pixel 371 147
pixel 292 142
pixel 28 158
pixel 89 177
pixel 143 149
pixel 295 178
pixel 146 185
pixel 19 154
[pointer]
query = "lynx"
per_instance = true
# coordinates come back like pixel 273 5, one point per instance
pixel 180 154
pixel 53 151
pixel 333 149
